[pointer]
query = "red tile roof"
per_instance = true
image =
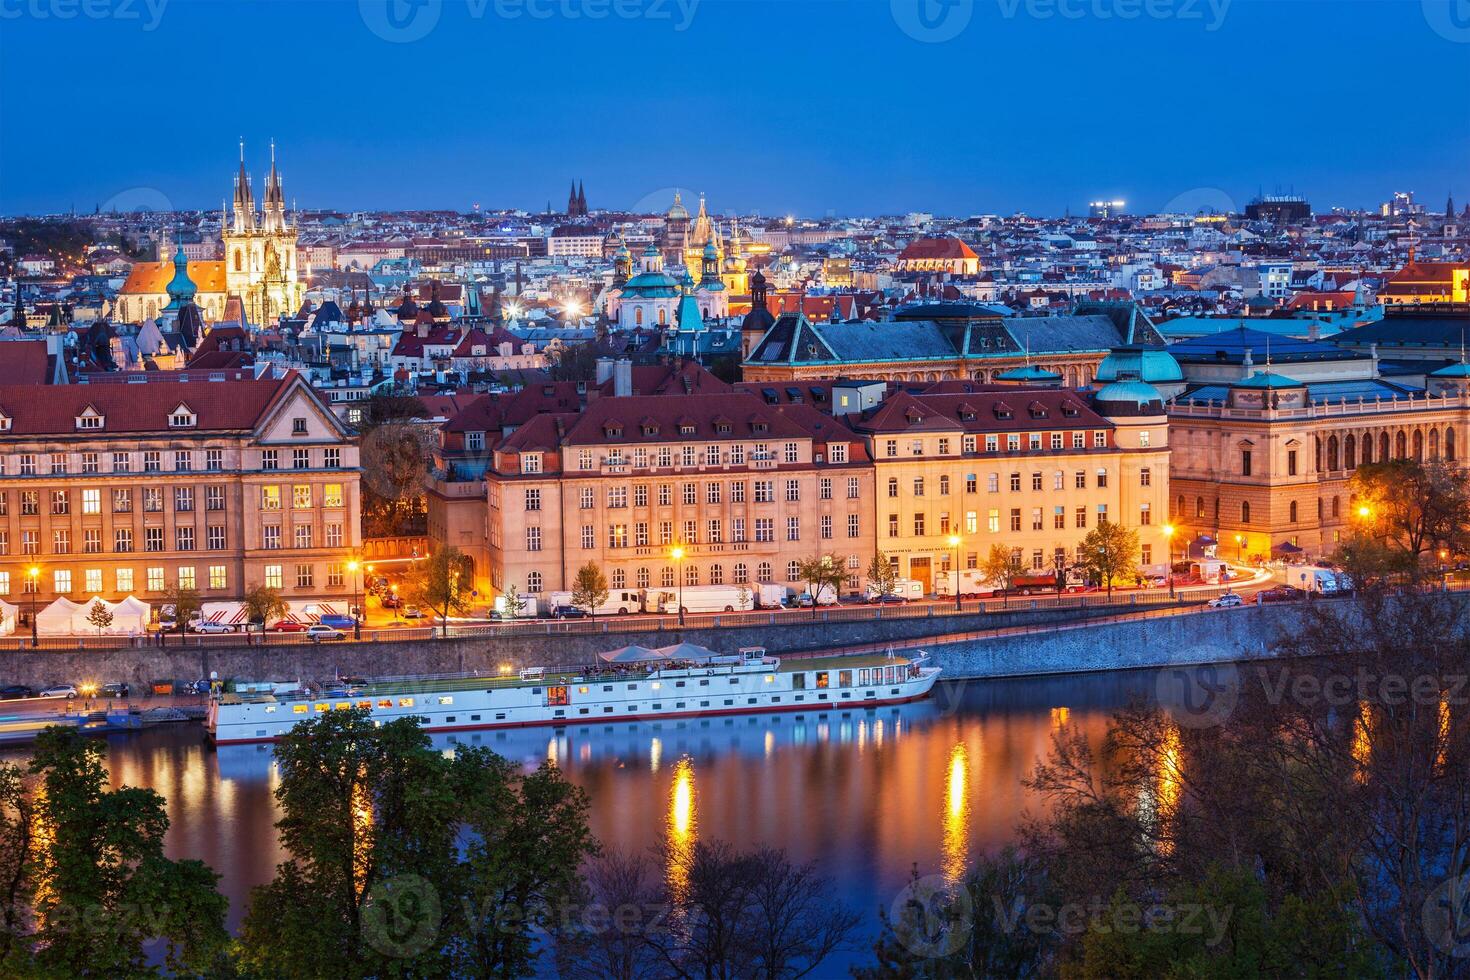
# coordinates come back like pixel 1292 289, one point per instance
pixel 219 405
pixel 24 362
pixel 937 248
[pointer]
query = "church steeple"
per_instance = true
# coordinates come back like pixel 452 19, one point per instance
pixel 581 199
pixel 572 201
pixel 244 197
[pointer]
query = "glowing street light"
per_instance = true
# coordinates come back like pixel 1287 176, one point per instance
pixel 676 553
pixel 1365 512
pixel 1169 548
pixel 34 574
pixel 1239 548
pixel 355 567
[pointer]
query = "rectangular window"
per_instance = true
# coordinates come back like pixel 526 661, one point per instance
pixel 153 499
pixel 214 459
pixel 302 535
pixel 1291 462
pixel 270 459
pixel 60 502
pixel 301 459
pixel 334 576
pixel 214 498
pixel 919 525
pixel 1015 518
pixel 533 499
pixel 852 525
pixel 91 501
pixel 893 525
pixel 122 539
pixel 184 538
pixel 273 576
pixel 90 464
pixel 218 579
pixel 186 576
pixel 91 541
pixel 183 498
pixel 152 463
pixel 304 576
pixel 124 579
pixel 332 458
pixel 271 537
pixel 58 463
pixel 589 536
pixel 826 526
pixel 30 542
pixel 214 537
pixel 155 579
pixel 183 460
pixel 122 501
pixel 61 541
pixel 62 580
pixel 332 495
pixel 333 535
pixel 270 498
pixel 153 539
pixel 533 539
pixel 301 496
pixel 122 462
pixel 1245 462
pixel 1100 439
pixel 765 529
pixel 1059 517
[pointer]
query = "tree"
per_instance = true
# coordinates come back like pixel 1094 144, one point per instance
pixel 575 363
pixel 1413 508
pixel 263 604
pixel 589 588
pixel 1109 553
pixel 99 616
pixel 84 882
pixel 394 457
pixel 882 574
pixel 515 603
pixel 405 863
pixel 444 582
pixel 1000 566
pixel 185 604
pixel 820 573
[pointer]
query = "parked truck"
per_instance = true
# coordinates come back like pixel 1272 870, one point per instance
pixel 973 584
pixel 702 598
pixel 1316 578
pixel 905 588
pixel 620 602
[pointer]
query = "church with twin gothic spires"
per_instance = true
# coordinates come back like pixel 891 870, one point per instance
pixel 259 264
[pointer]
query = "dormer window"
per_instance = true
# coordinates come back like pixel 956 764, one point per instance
pixel 1003 411
pixel 182 417
pixel 4 422
pixel 1070 410
pixel 1038 411
pixel 723 428
pixel 686 429
pixel 89 419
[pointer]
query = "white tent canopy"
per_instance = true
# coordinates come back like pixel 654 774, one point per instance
pixel 629 655
pixel 129 616
pixel 7 618
pixel 60 618
pixel 686 651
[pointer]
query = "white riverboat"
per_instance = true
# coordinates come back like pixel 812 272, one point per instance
pixel 629 684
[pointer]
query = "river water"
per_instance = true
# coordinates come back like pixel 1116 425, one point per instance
pixel 868 794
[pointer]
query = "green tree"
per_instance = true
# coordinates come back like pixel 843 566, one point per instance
pixel 1109 553
pixel 99 616
pixel 1000 566
pixel 86 886
pixel 405 863
pixel 444 583
pixel 185 604
pixel 263 604
pixel 589 588
pixel 819 573
pixel 515 603
pixel 882 574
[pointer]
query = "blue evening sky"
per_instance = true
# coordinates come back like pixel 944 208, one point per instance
pixel 797 106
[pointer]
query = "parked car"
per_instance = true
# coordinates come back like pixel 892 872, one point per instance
pixel 391 601
pixel 319 633
pixel 1227 601
pixel 59 691
pixel 288 626
pixel 888 600
pixel 1282 593
pixel 118 690
pixel 205 626
pixel 412 612
pixel 569 612
pixel 16 692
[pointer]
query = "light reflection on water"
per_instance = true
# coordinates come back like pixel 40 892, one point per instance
pixel 866 793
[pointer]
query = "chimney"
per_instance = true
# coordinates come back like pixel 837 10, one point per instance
pixel 1373 353
pixel 604 370
pixel 1246 364
pixel 623 377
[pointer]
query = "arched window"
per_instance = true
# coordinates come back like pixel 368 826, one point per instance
pixel 763 572
pixel 1199 506
pixel 1449 443
pixel 638 316
pixel 1367 448
pixel 1350 453
pixel 1434 444
pixel 239 261
pixel 619 579
pixel 641 577
pixel 1317 458
pixel 1336 507
pixel 742 574
pixel 1400 446
pixel 1419 445
pixel 1332 454
pixel 1180 509
pixel 1383 447
pixel 1293 512
pixel 793 571
pixel 717 575
pixel 533 582
pixel 663 316
pixel 1245 512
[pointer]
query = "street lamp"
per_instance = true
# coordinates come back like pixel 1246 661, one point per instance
pixel 954 578
pixel 677 554
pixel 354 567
pixel 1169 549
pixel 34 574
pixel 1239 548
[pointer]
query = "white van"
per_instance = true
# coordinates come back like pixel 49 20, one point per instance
pixel 907 589
pixel 702 598
pixel 620 602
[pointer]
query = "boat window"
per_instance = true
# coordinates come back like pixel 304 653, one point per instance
pixel 770 678
pixel 607 687
pixel 704 704
pixel 405 702
pixel 270 709
pixel 386 703
pixel 365 705
pixel 446 700
pixel 583 711
pixel 798 682
pixel 299 709
pixel 500 716
pixel 582 690
pixel 704 682
pixel 775 698
pixel 323 706
pixel 558 695
pixel 844 678
pixel 750 700
pixel 821 679
pixel 632 707
pixel 678 683
pixel 729 700
pixel 632 687
pixel 450 718
pixel 658 707
pixel 474 717
pixel 679 704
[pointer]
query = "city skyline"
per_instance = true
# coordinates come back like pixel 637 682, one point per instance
pixel 499 107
